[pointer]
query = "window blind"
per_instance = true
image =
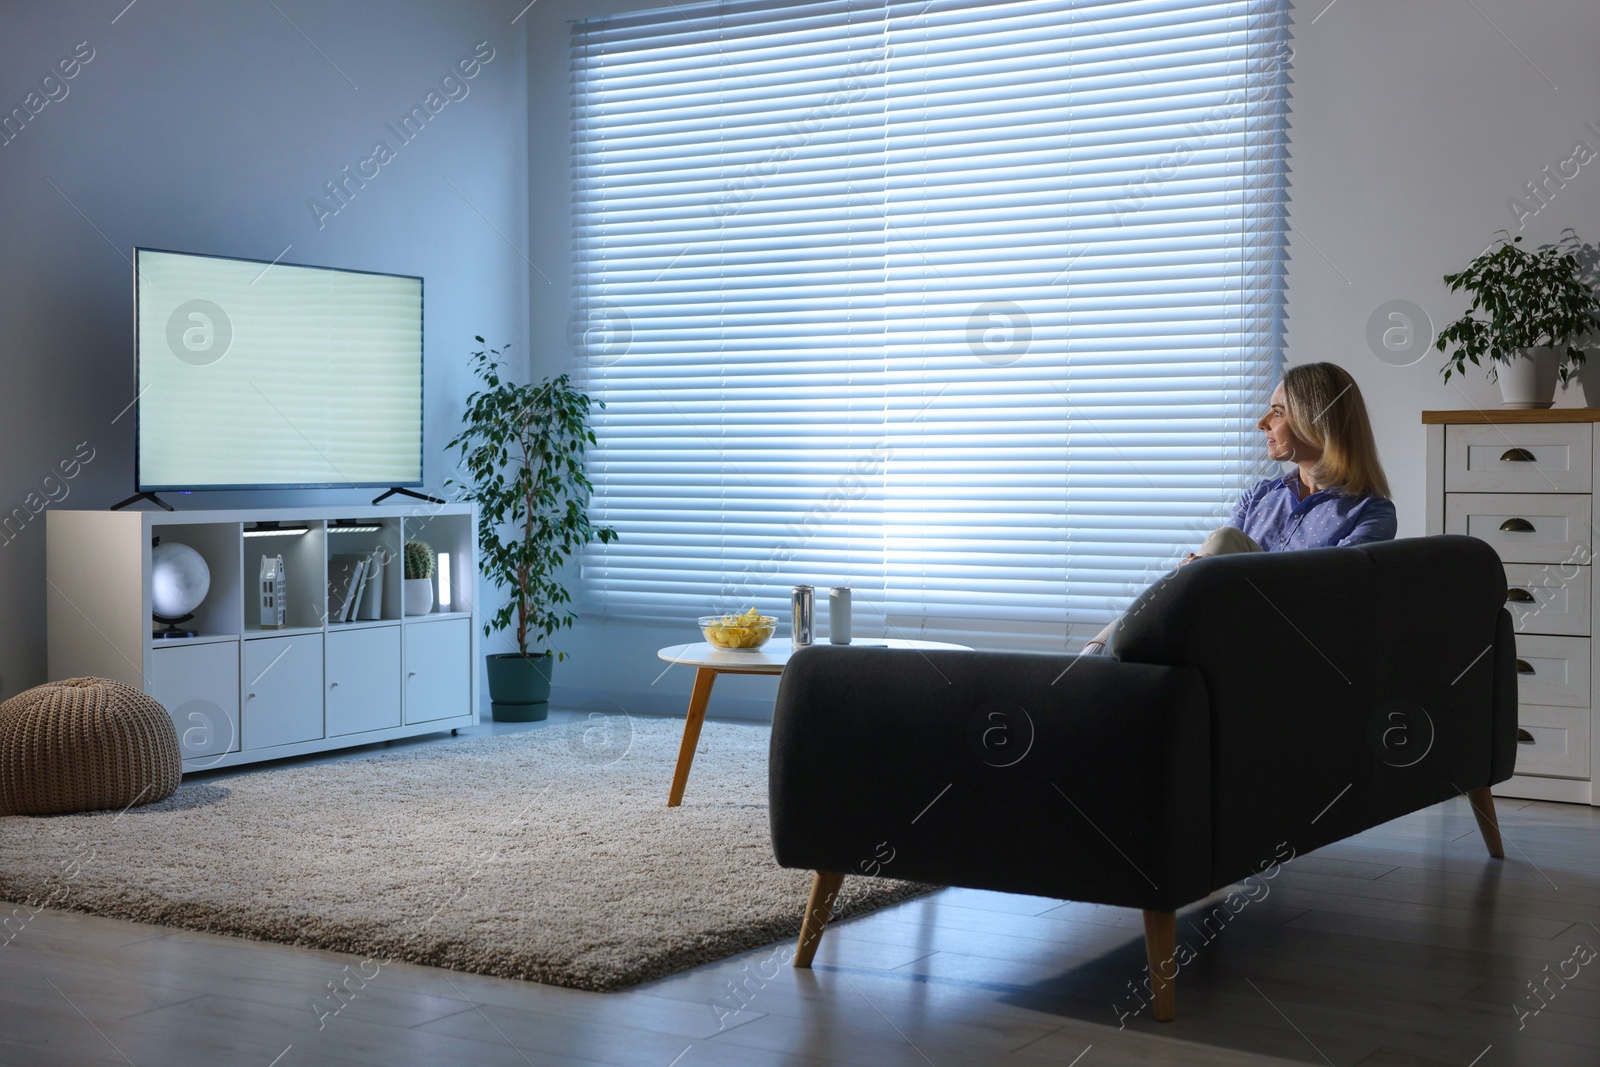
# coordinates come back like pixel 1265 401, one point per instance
pixel 969 306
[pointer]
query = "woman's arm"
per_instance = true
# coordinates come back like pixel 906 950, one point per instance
pixel 1376 523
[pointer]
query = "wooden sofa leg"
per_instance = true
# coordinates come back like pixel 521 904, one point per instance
pixel 1160 950
pixel 1482 801
pixel 824 888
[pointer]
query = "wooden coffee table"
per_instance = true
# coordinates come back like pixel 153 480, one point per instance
pixel 710 661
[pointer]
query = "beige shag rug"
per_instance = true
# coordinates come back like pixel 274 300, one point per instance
pixel 547 855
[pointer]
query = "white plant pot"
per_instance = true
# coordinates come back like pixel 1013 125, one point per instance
pixel 1529 380
pixel 418 596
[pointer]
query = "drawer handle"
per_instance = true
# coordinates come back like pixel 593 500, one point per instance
pixel 1524 668
pixel 1517 595
pixel 1517 455
pixel 1524 737
pixel 1517 526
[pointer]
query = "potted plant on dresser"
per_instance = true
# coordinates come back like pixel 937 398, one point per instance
pixel 522 454
pixel 1529 312
pixel 417 593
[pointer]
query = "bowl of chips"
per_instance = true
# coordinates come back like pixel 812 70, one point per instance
pixel 738 633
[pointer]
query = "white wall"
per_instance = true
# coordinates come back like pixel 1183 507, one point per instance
pixel 207 127
pixel 1412 125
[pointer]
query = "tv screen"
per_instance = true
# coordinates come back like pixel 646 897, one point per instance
pixel 258 375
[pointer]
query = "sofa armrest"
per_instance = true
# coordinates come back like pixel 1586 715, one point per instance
pixel 1070 777
pixel 1503 760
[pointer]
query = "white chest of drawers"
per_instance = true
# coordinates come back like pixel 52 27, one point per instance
pixel 1524 482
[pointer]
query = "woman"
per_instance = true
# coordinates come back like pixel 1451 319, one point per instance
pixel 1335 495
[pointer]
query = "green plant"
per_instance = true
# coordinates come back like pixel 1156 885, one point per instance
pixel 419 559
pixel 522 455
pixel 1520 299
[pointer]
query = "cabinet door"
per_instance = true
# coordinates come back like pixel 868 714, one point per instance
pixel 363 680
pixel 438 669
pixel 199 687
pixel 282 691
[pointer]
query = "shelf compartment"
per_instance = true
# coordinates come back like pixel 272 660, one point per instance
pixel 363 537
pixel 220 613
pixel 452 534
pixel 305 590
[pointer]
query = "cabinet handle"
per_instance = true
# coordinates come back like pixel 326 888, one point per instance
pixel 1517 526
pixel 333 685
pixel 1516 455
pixel 1524 737
pixel 1517 595
pixel 1524 668
pixel 411 674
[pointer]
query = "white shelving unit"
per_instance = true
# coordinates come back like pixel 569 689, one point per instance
pixel 238 693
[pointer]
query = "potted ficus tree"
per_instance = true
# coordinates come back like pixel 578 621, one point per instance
pixel 522 462
pixel 1529 312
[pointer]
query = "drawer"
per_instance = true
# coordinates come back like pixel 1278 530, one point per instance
pixel 1553 670
pixel 1519 459
pixel 1553 741
pixel 1549 598
pixel 1524 527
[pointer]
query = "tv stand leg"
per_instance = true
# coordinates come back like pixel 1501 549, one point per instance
pixel 135 498
pixel 386 494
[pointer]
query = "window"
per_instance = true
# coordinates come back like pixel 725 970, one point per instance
pixel 969 306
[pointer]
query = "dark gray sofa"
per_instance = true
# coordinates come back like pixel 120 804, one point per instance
pixel 1251 704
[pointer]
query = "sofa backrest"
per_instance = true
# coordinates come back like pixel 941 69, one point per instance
pixel 1348 686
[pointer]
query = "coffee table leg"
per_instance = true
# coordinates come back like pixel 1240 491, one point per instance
pixel 698 699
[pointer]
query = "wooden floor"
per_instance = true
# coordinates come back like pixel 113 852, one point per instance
pixel 1406 946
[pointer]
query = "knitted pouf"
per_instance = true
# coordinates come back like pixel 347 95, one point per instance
pixel 83 745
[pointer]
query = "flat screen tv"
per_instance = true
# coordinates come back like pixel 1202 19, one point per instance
pixel 258 375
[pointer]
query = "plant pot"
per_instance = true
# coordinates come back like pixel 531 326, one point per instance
pixel 519 686
pixel 418 596
pixel 1529 380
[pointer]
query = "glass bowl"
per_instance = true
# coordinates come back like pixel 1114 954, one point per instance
pixel 738 633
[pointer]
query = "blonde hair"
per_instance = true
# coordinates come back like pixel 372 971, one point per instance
pixel 1325 410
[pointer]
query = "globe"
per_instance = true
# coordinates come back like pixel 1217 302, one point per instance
pixel 179 580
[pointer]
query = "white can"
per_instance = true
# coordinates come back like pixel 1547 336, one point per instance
pixel 839 615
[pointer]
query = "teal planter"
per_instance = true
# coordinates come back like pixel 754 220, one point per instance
pixel 519 686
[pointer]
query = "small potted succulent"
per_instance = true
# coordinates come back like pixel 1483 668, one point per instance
pixel 522 454
pixel 418 593
pixel 1529 313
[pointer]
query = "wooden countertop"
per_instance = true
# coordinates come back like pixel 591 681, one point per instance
pixel 1489 416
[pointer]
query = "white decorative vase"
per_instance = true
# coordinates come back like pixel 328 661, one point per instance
pixel 1529 379
pixel 418 596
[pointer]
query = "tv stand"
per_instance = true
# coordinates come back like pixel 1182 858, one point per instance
pixel 397 491
pixel 135 498
pixel 242 690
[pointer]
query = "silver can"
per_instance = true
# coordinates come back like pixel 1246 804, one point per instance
pixel 802 601
pixel 839 615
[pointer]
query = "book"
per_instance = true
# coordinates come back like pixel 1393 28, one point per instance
pixel 344 572
pixel 356 586
pixel 371 604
